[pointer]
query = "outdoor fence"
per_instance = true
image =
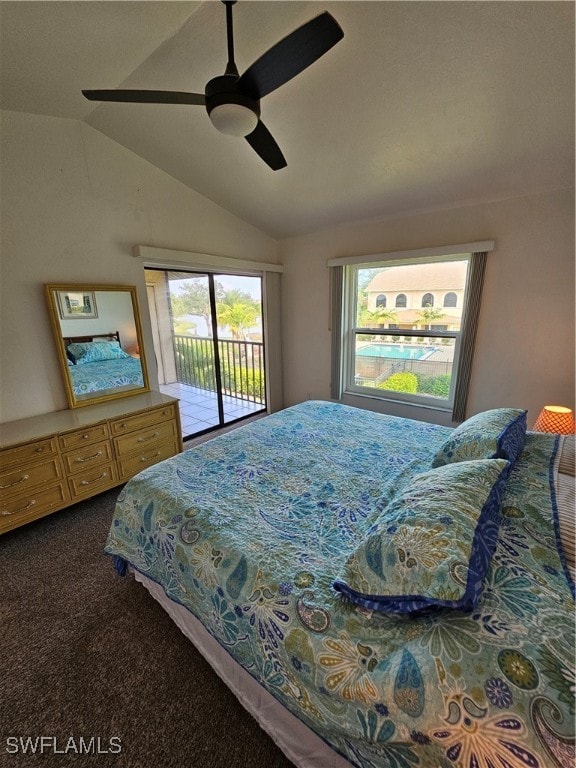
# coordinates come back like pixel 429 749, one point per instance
pixel 378 369
pixel 241 366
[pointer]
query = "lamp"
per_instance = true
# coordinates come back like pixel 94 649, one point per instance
pixel 555 418
pixel 234 119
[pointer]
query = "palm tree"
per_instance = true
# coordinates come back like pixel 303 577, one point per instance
pixel 238 317
pixel 429 314
pixel 377 317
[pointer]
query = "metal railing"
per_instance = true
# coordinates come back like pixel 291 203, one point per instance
pixel 241 366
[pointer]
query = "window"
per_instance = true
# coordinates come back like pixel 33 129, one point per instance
pixel 401 300
pixel 423 355
pixel 428 300
pixel 416 362
pixel 450 300
pixel 381 300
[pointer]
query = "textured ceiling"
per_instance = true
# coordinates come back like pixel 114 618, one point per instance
pixel 423 105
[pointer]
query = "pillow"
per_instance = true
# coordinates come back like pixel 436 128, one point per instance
pixel 432 545
pixel 95 351
pixel 496 434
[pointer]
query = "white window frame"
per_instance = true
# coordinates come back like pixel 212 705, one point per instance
pixel 344 342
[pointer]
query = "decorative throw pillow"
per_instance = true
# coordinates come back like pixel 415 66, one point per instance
pixel 432 545
pixel 95 351
pixel 496 434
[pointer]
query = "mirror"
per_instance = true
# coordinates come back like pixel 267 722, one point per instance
pixel 99 341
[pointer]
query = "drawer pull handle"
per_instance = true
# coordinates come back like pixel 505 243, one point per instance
pixel 6 512
pixel 145 459
pixel 88 458
pixel 10 485
pixel 85 436
pixel 41 449
pixel 90 482
pixel 150 437
pixel 124 426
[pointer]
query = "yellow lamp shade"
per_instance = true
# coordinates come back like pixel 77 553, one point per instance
pixel 555 418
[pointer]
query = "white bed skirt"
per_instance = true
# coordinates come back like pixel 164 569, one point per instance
pixel 298 742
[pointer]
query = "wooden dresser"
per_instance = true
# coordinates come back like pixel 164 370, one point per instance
pixel 51 461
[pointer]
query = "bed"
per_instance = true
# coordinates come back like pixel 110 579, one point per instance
pixel 317 558
pixel 98 364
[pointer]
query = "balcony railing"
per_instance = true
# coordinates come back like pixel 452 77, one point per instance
pixel 241 366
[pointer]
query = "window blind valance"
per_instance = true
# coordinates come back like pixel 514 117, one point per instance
pixel 159 257
pixel 418 253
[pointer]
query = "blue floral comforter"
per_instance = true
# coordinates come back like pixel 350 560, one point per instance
pixel 106 374
pixel 249 531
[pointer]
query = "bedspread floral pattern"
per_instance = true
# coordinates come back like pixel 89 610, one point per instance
pixel 249 531
pixel 107 374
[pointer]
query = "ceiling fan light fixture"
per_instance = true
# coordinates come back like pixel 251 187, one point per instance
pixel 232 101
pixel 234 119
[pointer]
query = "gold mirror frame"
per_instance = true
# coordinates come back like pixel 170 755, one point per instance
pixel 97 313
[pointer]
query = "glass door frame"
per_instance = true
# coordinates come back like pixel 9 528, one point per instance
pixel 216 348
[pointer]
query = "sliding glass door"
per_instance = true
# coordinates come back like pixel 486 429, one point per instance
pixel 209 343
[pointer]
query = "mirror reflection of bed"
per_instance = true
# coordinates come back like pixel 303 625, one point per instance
pixel 100 364
pixel 98 337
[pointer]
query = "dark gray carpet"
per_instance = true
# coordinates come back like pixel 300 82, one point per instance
pixel 86 653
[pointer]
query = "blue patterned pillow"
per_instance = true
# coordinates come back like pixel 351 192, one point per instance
pixel 432 545
pixel 496 434
pixel 95 351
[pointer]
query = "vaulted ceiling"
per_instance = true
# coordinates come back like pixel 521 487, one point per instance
pixel 422 105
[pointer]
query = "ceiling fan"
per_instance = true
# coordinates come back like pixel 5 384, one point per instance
pixel 233 100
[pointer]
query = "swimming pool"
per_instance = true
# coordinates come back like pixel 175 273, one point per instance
pixel 396 351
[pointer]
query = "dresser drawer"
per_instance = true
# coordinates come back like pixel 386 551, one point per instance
pixel 87 457
pixel 141 441
pixel 22 509
pixel 19 480
pixel 23 454
pixel 93 481
pixel 143 420
pixel 50 461
pixel 86 436
pixel 146 458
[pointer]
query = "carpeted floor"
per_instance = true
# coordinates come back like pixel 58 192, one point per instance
pixel 85 653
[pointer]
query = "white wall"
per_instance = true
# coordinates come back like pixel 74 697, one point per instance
pixel 525 346
pixel 73 204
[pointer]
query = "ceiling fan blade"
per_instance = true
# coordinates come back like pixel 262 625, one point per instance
pixel 263 143
pixel 291 56
pixel 146 97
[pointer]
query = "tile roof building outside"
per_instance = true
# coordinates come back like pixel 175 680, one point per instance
pixel 436 276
